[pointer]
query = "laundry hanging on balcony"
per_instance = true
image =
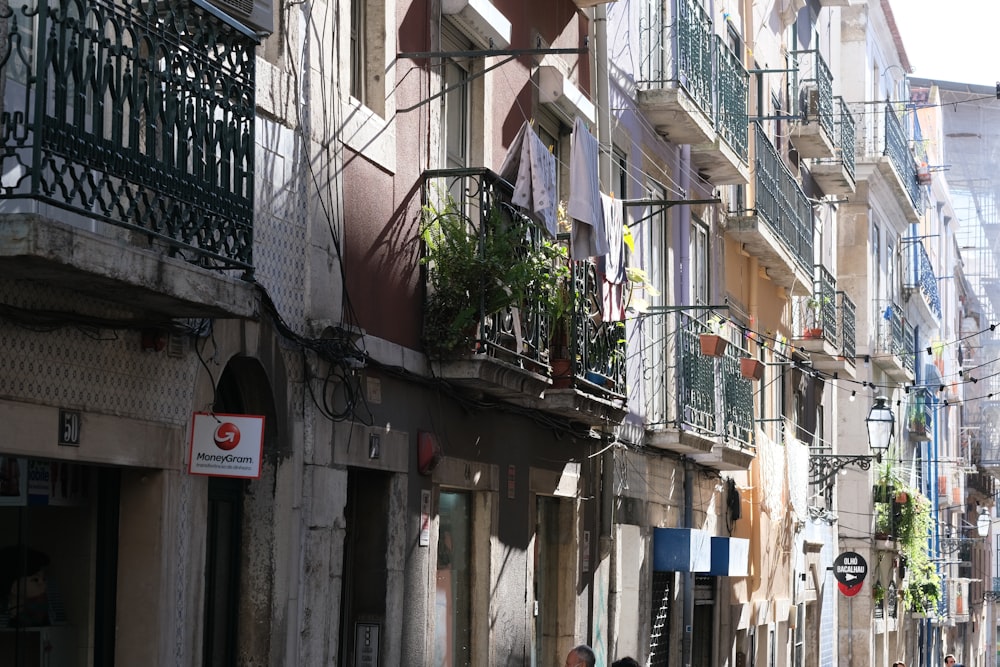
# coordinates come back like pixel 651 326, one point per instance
pixel 587 237
pixel 532 168
pixel 611 266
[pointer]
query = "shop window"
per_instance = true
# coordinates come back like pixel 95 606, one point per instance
pixel 55 535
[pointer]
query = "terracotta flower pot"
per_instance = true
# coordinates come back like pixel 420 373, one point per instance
pixel 713 345
pixel 752 369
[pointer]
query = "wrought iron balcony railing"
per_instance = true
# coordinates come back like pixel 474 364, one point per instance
pixel 845 135
pixel 685 59
pixel 894 336
pixel 921 276
pixel 710 400
pixel 499 298
pixel 781 203
pixel 733 84
pixel 918 414
pixel 816 88
pixel 898 150
pixel 138 114
pixel 848 326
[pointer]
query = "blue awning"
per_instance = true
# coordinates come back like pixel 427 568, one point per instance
pixel 730 557
pixel 681 550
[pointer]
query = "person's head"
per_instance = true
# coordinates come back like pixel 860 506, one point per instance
pixel 581 656
pixel 627 661
pixel 949 660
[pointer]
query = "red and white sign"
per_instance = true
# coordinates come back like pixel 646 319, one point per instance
pixel 226 445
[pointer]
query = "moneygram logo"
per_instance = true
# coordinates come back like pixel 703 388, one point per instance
pixel 227 436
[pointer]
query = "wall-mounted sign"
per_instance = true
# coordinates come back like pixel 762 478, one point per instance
pixel 69 428
pixel 226 445
pixel 850 570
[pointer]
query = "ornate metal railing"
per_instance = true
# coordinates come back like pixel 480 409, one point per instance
pixel 475 237
pixel 922 277
pixel 824 293
pixel 733 84
pixel 678 50
pixel 693 51
pixel 908 351
pixel 780 201
pixel 138 114
pixel 495 250
pixel 890 333
pixel 848 326
pixel 707 398
pixel 898 150
pixel 845 136
pixel 598 348
pixel 815 75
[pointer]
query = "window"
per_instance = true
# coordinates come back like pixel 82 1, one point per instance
pixel 653 248
pixel 455 103
pixel 698 259
pixel 358 50
pixel 367 54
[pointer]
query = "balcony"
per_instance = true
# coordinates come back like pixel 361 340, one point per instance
pixel 694 88
pixel 989 436
pixel 779 229
pixel 884 150
pixel 812 132
pixel 919 425
pixel 709 417
pixel 505 306
pixel 894 343
pixel 921 280
pixel 823 324
pixel 835 175
pixel 123 175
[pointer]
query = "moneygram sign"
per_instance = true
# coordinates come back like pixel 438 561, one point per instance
pixel 226 445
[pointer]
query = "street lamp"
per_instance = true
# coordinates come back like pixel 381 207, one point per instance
pixel 881 427
pixel 823 468
pixel 983 522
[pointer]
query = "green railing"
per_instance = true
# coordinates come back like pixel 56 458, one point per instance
pixel 845 136
pixel 496 300
pixel 709 396
pixel 781 203
pixel 138 114
pixel 898 150
pixel 895 336
pixel 824 293
pixel 814 74
pixel 732 119
pixel 677 49
pixel 848 326
pixel 693 51
pixel 922 277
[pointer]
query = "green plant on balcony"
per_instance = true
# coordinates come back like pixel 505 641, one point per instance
pixel 913 526
pixel 473 275
pixel 917 419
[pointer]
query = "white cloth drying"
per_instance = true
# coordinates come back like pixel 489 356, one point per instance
pixel 532 168
pixel 614 228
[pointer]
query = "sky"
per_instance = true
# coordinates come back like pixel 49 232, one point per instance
pixel 951 40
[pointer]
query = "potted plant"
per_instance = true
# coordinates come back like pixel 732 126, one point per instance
pixel 878 593
pixel 813 328
pixel 474 273
pixel 752 369
pixel 713 343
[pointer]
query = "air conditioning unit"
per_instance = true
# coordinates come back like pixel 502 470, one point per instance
pixel 257 15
